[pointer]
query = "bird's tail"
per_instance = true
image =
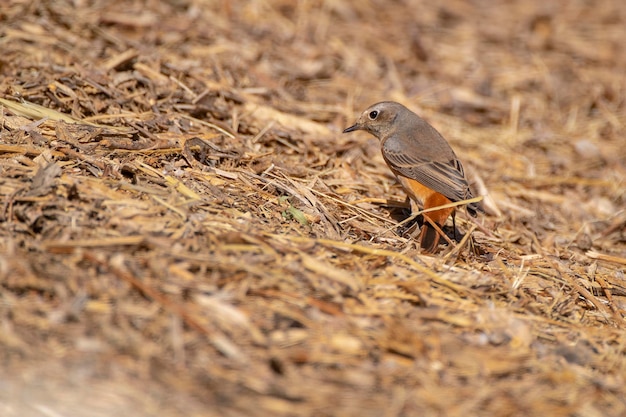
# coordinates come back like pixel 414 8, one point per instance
pixel 475 208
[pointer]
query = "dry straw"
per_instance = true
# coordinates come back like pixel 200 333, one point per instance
pixel 186 232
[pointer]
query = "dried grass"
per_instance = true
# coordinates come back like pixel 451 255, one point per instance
pixel 186 231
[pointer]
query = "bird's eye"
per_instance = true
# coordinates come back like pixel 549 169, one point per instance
pixel 373 115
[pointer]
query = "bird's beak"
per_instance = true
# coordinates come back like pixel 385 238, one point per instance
pixel 352 128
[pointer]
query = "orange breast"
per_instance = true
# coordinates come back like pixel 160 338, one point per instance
pixel 427 198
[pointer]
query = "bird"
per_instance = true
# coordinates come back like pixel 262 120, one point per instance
pixel 423 163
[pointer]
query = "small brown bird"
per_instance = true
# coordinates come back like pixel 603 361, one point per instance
pixel 422 161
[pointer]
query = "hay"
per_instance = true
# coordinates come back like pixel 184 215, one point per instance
pixel 186 231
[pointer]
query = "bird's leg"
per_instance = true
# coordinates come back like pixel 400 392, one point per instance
pixel 415 208
pixel 438 228
pixel 454 225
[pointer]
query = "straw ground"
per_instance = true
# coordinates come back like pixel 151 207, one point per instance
pixel 185 231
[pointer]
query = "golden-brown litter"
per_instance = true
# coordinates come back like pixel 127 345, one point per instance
pixel 185 230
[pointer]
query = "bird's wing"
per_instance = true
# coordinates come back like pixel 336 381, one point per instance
pixel 447 178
